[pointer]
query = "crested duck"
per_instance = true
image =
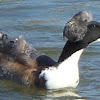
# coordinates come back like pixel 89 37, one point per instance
pixel 76 28
pixel 25 65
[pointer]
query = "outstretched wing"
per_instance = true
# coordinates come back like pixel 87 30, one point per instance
pixel 21 46
pixel 19 50
pixel 27 53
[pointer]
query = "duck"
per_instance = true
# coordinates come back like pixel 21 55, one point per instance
pixel 76 27
pixel 21 63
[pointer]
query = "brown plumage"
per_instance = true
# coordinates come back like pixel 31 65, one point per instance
pixel 18 62
pixel 23 64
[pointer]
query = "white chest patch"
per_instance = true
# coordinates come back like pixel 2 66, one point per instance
pixel 66 74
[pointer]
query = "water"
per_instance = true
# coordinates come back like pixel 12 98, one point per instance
pixel 41 23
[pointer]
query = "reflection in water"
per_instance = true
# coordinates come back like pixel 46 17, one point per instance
pixel 38 94
pixel 64 94
pixel 41 22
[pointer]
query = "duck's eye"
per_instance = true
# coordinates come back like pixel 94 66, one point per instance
pixel 85 20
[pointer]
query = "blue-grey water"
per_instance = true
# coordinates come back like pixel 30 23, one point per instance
pixel 41 22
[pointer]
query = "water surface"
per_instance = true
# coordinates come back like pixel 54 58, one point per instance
pixel 41 23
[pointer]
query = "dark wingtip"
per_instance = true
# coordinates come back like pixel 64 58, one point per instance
pixel 45 61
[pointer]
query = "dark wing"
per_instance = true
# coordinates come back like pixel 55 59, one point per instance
pixel 45 61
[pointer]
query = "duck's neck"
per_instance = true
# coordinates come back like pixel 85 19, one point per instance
pixel 70 49
pixel 93 33
pixel 71 61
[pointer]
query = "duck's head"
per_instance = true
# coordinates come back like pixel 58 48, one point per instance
pixel 93 32
pixel 74 44
pixel 76 28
